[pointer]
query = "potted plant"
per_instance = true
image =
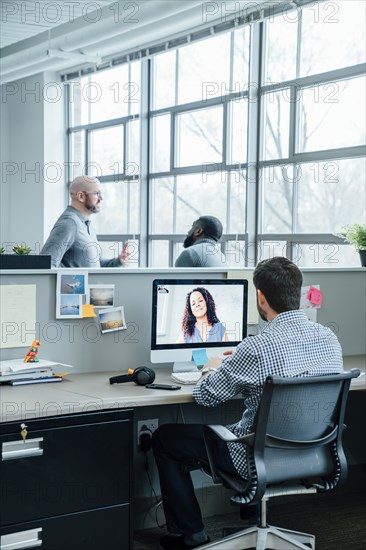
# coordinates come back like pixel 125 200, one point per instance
pixel 21 250
pixel 23 259
pixel 356 234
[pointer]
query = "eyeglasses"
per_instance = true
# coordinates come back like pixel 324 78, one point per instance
pixel 97 193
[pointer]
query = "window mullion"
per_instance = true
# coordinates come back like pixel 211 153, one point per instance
pixel 253 185
pixel 145 191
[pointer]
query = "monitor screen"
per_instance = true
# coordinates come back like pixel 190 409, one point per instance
pixel 198 314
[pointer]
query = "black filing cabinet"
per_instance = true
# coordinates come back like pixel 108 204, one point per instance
pixel 68 485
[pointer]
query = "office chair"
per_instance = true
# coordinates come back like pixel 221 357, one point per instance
pixel 295 448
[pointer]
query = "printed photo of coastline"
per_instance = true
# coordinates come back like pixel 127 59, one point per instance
pixel 70 306
pixel 112 319
pixel 100 296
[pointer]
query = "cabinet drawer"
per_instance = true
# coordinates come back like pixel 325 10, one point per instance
pixel 65 469
pixel 93 530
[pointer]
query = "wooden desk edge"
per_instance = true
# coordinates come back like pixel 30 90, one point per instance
pixel 90 392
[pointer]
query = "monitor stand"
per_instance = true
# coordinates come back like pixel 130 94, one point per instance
pixel 185 366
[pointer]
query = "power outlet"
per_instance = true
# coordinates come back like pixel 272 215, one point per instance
pixel 146 427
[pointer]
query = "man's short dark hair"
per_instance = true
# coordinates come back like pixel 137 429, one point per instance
pixel 211 227
pixel 280 281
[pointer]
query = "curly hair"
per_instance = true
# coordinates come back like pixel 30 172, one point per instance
pixel 189 320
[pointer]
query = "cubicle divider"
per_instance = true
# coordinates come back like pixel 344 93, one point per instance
pixel 80 343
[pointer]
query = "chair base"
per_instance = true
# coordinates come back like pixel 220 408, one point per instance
pixel 262 538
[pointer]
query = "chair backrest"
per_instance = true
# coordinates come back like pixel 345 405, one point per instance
pixel 297 437
pixel 298 430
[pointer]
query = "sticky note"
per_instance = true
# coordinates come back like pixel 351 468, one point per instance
pixel 88 310
pixel 199 357
pixel 315 296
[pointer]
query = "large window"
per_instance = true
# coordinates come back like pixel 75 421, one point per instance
pixel 262 126
pixel 199 121
pixel 105 142
pixel 312 136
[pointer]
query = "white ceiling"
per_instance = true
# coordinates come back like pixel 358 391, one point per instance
pixel 20 20
pixel 42 35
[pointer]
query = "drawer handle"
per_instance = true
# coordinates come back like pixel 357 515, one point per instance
pixel 19 449
pixel 22 539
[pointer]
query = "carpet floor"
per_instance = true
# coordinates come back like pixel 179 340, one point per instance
pixel 338 521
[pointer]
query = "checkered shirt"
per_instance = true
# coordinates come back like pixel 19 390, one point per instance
pixel 289 345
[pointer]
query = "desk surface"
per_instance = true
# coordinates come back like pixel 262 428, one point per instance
pixel 81 393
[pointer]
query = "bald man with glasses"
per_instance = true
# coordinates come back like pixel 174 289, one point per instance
pixel 73 241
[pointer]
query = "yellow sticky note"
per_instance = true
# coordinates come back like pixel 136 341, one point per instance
pixel 88 311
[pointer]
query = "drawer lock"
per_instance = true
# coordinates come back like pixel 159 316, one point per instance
pixel 24 431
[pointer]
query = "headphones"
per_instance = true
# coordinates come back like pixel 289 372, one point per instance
pixel 141 376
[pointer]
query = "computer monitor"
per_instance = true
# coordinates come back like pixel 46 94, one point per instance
pixel 194 319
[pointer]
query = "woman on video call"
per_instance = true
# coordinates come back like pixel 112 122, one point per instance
pixel 200 322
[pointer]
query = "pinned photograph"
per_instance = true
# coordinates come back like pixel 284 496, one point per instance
pixel 69 306
pixel 112 319
pixel 71 283
pixel 70 293
pixel 100 296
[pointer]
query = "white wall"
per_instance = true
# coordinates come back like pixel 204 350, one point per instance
pixel 55 172
pixel 32 137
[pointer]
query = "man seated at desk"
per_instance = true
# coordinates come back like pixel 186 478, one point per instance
pixel 288 345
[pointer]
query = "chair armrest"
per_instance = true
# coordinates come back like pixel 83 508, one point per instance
pixel 228 436
pixel 225 435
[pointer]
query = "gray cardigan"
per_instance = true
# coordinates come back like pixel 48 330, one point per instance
pixel 73 243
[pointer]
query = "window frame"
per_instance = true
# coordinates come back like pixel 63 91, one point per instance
pixel 253 237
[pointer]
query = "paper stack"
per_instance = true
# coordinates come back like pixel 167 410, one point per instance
pixel 15 372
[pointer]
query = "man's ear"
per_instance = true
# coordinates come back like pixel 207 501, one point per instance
pixel 198 231
pixel 261 298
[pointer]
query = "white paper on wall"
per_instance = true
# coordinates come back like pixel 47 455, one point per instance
pixel 17 315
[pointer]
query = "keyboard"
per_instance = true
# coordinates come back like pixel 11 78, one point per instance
pixel 191 377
